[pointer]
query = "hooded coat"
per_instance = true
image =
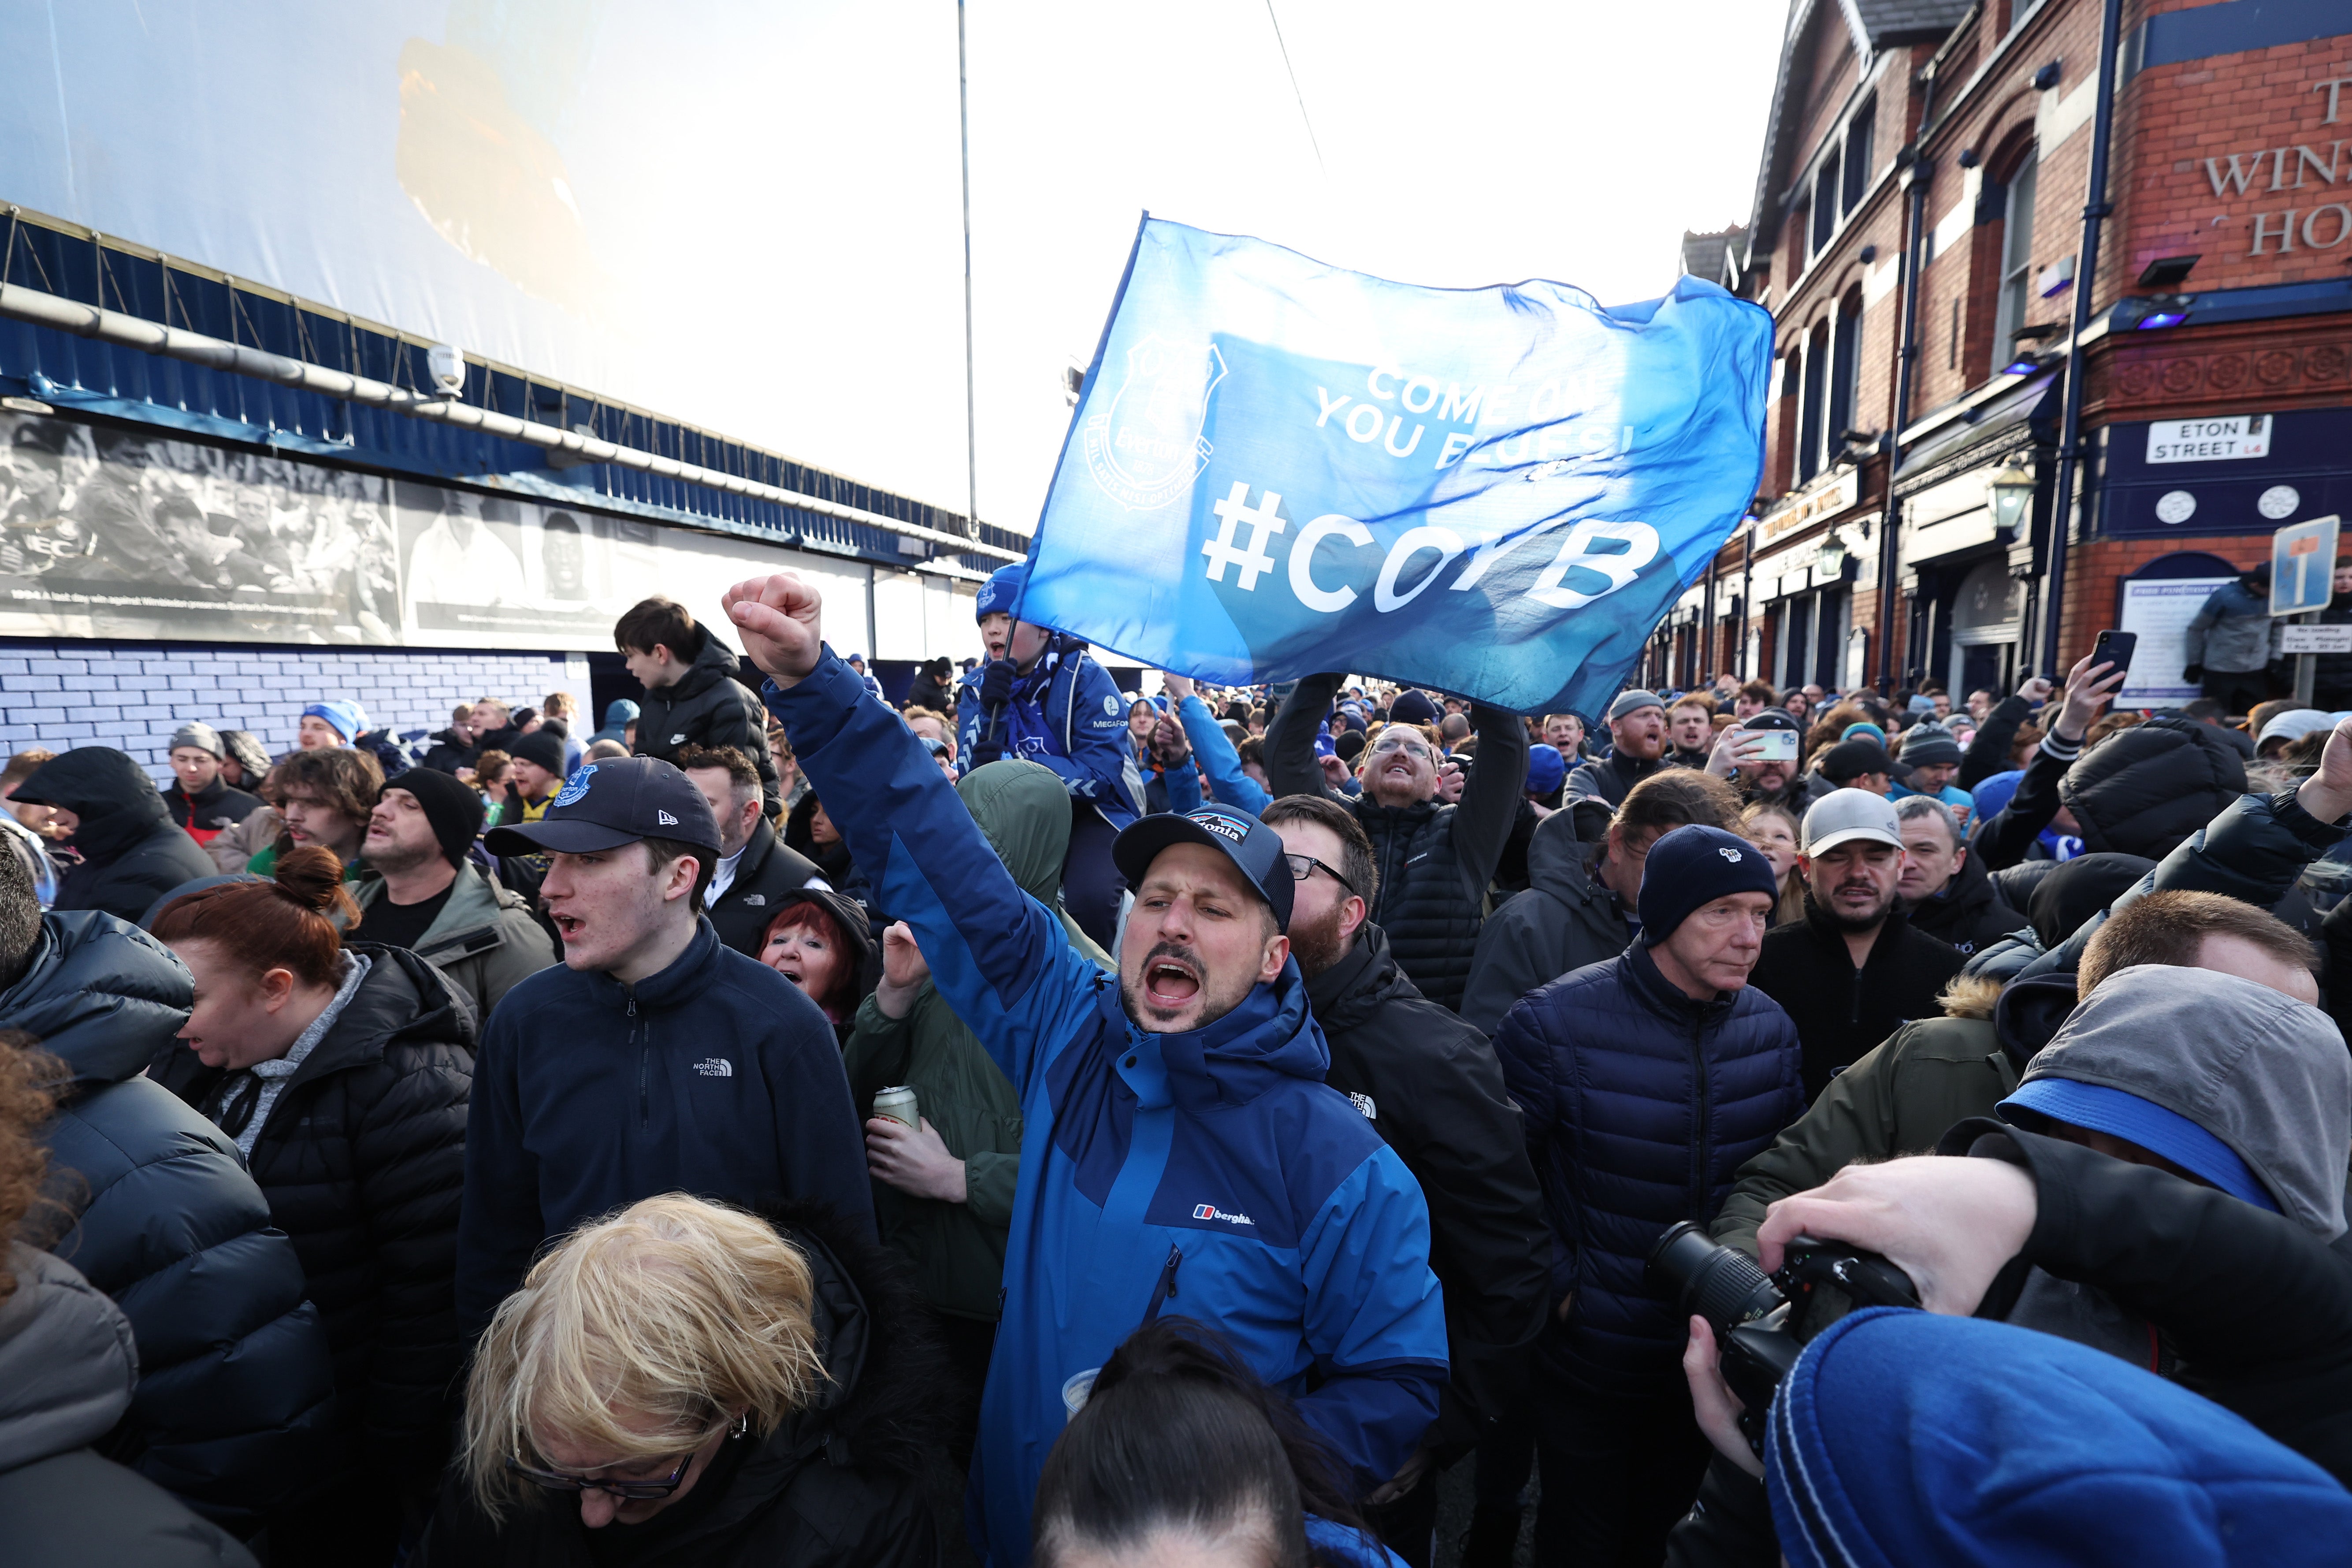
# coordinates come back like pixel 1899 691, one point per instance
pixel 957 1250
pixel 132 852
pixel 362 1159
pixel 2143 790
pixel 1567 919
pixel 67 1365
pixel 840 1485
pixel 2231 631
pixel 485 941
pixel 1210 1173
pixel 864 955
pixel 1435 860
pixel 216 806
pixel 619 714
pixel 234 1379
pixel 1074 724
pixel 1968 911
pixel 1429 1085
pixel 707 706
pixel 1640 1103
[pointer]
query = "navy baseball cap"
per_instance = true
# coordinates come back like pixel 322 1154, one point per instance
pixel 1255 850
pixel 607 804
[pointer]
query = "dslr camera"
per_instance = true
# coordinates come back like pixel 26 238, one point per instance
pixel 1763 1322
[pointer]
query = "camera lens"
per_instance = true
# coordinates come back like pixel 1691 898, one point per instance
pixel 1719 1284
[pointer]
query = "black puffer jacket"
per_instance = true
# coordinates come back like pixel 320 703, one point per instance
pixel 1565 919
pixel 133 853
pixel 839 1486
pixel 362 1158
pixel 452 749
pixel 1434 861
pixel 707 706
pixel 2143 790
pixel 234 1381
pixel 1969 913
pixel 1430 1087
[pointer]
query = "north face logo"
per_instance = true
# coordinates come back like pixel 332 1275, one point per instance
pixel 1363 1102
pixel 715 1066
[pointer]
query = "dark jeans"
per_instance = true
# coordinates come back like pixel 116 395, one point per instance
pixel 1617 1474
pixel 1090 883
pixel 1408 1526
pixel 2237 690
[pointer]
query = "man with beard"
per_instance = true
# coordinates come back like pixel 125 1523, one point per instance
pixel 1434 858
pixel 1854 968
pixel 1762 780
pixel 1181 1152
pixel 1637 744
pixel 1429 1085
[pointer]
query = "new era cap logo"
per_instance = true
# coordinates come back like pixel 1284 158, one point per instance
pixel 666 820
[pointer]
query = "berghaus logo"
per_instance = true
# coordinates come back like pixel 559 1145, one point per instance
pixel 1210 1211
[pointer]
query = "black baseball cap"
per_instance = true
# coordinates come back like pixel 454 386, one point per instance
pixel 1255 850
pixel 607 804
pixel 1772 719
pixel 1852 759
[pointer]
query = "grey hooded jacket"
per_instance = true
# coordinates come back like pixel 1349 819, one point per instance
pixel 2231 631
pixel 2265 1074
pixel 67 1370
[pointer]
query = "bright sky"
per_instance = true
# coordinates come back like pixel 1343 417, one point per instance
pixel 1480 141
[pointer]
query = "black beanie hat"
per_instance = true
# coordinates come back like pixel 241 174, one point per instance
pixel 1695 865
pixel 540 747
pixel 455 811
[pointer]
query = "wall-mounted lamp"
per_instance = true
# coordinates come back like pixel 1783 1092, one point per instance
pixel 2011 488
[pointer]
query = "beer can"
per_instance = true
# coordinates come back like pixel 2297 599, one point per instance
pixel 897 1103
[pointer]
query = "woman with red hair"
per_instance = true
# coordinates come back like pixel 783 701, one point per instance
pixel 343 1073
pixel 820 941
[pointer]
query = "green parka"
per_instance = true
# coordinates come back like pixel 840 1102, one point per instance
pixel 957 1250
pixel 484 940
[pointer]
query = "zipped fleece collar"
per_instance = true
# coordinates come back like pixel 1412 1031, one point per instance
pixel 1270 1037
pixel 1669 1001
pixel 678 984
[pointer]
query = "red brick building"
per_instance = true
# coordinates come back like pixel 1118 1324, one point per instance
pixel 2216 362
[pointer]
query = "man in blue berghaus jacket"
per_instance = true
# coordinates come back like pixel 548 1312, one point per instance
pixel 1182 1152
pixel 1644 1082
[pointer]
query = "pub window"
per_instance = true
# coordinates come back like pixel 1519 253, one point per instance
pixel 1857 153
pixel 2016 261
pixel 1825 204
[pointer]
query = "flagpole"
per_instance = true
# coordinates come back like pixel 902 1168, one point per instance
pixel 970 401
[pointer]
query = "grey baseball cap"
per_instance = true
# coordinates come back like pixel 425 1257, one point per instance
pixel 1845 814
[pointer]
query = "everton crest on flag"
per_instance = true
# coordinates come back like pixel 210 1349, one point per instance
pixel 1279 467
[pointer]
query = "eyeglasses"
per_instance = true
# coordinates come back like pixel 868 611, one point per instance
pixel 559 1481
pixel 1405 743
pixel 1304 865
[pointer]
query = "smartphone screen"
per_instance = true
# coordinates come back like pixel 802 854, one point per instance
pixel 2115 648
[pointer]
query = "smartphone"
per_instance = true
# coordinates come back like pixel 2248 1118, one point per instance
pixel 1780 745
pixel 2115 648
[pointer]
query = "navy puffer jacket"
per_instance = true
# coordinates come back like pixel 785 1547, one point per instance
pixel 1640 1106
pixel 234 1379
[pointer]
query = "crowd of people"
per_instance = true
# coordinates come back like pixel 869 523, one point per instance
pixel 1038 1122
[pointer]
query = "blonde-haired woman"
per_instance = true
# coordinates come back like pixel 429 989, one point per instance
pixel 1774 830
pixel 695 1386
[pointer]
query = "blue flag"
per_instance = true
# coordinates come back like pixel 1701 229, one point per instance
pixel 1280 468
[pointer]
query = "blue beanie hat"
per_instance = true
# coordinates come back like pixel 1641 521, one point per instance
pixel 1906 1437
pixel 1993 795
pixel 1693 865
pixel 348 718
pixel 1003 589
pixel 1546 768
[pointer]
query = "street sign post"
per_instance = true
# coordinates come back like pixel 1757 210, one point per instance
pixel 2303 576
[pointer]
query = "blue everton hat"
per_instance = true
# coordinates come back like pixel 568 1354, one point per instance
pixel 1255 850
pixel 607 804
pixel 1001 591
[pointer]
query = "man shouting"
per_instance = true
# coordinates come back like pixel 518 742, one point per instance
pixel 1182 1152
